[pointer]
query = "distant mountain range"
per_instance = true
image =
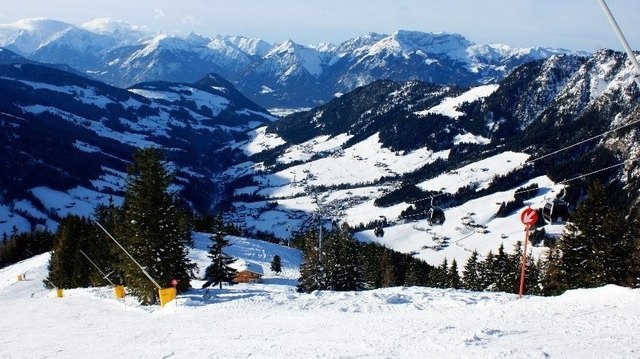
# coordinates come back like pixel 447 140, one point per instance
pixel 62 134
pixel 286 75
pixel 382 150
pixel 376 152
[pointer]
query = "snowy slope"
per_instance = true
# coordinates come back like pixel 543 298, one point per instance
pixel 99 127
pixel 271 320
pixel 337 161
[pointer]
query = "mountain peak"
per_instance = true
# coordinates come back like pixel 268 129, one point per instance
pixel 107 25
pixel 251 46
pixel 404 42
pixel 286 47
pixel 39 24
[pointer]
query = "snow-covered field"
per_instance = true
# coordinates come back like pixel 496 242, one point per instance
pixel 272 320
pixel 468 227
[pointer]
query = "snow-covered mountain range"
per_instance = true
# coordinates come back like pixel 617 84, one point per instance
pixel 273 75
pixel 380 153
pixel 376 153
pixel 66 139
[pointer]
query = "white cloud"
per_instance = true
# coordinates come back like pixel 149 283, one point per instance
pixel 158 13
pixel 192 20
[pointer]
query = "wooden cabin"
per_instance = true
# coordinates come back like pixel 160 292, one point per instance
pixel 247 272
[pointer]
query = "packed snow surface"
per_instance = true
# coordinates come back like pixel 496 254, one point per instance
pixel 449 106
pixel 272 320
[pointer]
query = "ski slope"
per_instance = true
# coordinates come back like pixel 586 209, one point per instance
pixel 272 320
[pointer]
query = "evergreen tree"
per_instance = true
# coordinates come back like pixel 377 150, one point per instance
pixel 331 260
pixel 632 278
pixel 340 261
pixel 351 276
pixel 488 275
pixel 154 231
pixel 515 259
pixel 439 277
pixel 219 270
pixel 104 250
pixel 68 268
pixel 533 275
pixel 503 271
pixel 388 271
pixel 592 250
pixel 24 245
pixel 414 275
pixel 276 264
pixel 471 276
pixel 554 276
pixel 312 273
pixel 453 277
pixel 370 257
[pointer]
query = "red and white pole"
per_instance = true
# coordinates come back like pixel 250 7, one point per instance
pixel 524 262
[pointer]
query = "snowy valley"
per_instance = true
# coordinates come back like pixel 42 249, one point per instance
pixel 420 150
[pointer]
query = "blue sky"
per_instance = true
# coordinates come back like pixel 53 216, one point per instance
pixel 572 24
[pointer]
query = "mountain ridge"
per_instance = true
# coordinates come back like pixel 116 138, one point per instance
pixel 274 75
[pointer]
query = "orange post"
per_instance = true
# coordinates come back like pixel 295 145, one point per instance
pixel 524 262
pixel 119 291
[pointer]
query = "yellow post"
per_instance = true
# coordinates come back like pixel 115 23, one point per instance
pixel 119 291
pixel 59 292
pixel 167 295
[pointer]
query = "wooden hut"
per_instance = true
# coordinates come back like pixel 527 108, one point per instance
pixel 248 272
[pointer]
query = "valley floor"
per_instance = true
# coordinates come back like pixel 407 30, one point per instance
pixel 271 320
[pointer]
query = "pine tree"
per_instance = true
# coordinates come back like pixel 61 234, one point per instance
pixel 632 277
pixel 488 275
pixel 453 277
pixel 341 262
pixel 554 275
pixel 533 274
pixel 219 270
pixel 388 271
pixel 68 268
pixel 414 275
pixel 515 259
pixel 351 276
pixel 471 276
pixel 104 250
pixel 504 273
pixel 331 261
pixel 592 250
pixel 439 277
pixel 276 264
pixel 153 230
pixel 370 257
pixel 312 273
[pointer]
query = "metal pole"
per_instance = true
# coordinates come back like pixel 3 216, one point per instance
pixel 320 242
pixel 524 262
pixel 51 283
pixel 623 41
pixel 98 268
pixel 130 256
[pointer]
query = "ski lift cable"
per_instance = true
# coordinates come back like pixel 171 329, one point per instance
pixel 530 190
pixel 531 161
pixel 636 65
pixel 580 143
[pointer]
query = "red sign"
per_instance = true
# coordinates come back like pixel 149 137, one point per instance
pixel 529 216
pixel 174 282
